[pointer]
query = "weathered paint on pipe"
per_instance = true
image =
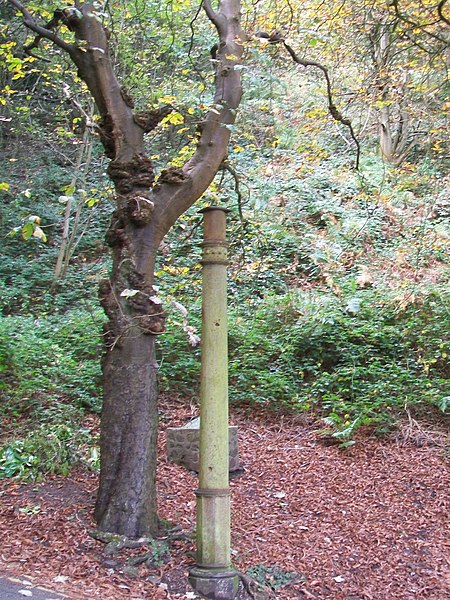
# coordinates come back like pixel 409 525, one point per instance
pixel 213 576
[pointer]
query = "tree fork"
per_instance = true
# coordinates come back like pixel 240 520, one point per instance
pixel 126 501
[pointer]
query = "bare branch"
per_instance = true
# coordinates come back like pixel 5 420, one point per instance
pixel 334 111
pixel 423 26
pixel 45 32
pixel 237 188
pixel 191 27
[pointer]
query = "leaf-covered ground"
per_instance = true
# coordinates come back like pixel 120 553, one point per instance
pixel 367 523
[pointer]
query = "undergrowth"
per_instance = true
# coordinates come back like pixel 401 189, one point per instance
pixel 313 326
pixel 353 360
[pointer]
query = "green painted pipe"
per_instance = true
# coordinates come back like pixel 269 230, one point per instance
pixel 213 576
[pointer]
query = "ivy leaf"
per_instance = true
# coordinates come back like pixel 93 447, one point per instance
pixel 27 231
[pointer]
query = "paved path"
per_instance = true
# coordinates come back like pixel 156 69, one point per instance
pixel 20 589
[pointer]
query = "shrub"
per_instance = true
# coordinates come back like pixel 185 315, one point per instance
pixel 51 357
pixel 50 448
pixel 311 352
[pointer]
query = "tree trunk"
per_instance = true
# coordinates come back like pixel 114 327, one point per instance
pixel 126 502
pixel 393 120
pixel 69 233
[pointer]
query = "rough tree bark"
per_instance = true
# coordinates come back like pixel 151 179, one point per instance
pixel 146 210
pixel 395 135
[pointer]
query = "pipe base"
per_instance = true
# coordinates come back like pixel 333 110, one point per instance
pixel 214 584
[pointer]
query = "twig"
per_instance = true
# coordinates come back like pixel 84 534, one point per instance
pixel 227 167
pixel 416 25
pixel 334 111
pixel 440 10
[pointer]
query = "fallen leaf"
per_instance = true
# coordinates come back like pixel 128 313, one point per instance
pixel 279 495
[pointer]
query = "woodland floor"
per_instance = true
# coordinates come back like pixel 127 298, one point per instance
pixel 366 523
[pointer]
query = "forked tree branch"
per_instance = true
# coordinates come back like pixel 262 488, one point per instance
pixel 122 133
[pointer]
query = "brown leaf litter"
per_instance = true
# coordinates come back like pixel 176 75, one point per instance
pixel 367 523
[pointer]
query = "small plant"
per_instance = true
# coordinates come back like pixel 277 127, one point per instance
pixel 16 459
pixel 30 510
pixel 272 576
pixel 51 448
pixel 159 553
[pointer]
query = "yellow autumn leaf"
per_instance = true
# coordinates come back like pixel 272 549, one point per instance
pixel 166 99
pixel 174 118
pixel 39 234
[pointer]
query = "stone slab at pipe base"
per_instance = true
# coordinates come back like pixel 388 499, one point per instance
pixel 182 446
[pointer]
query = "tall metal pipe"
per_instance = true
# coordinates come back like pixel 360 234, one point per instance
pixel 213 576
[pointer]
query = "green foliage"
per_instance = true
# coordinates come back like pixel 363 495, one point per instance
pixel 48 438
pixel 16 460
pixel 305 335
pixel 355 347
pixel 356 368
pixel 272 576
pixel 28 262
pixel 159 552
pixel 50 448
pixel 313 352
pixel 51 357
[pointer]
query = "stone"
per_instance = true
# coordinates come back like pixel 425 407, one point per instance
pixel 182 446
